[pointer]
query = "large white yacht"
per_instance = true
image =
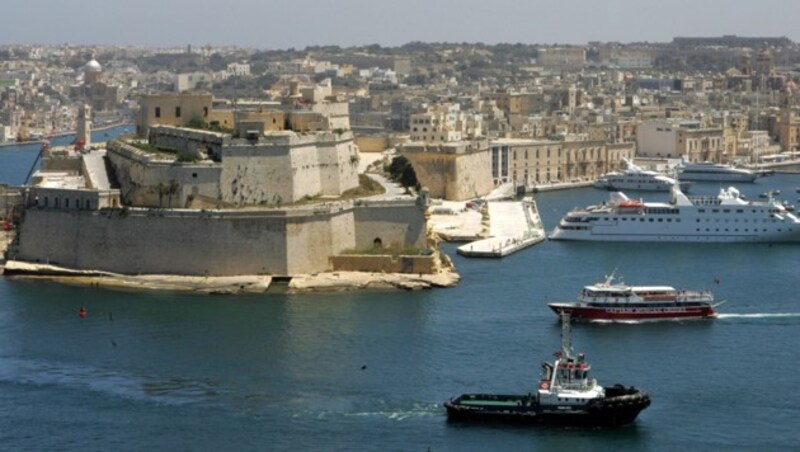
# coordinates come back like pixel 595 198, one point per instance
pixel 636 178
pixel 714 172
pixel 722 218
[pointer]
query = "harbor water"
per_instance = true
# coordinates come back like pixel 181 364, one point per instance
pixel 16 159
pixel 369 371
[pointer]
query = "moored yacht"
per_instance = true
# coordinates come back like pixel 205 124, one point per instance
pixel 636 178
pixel 714 172
pixel 722 218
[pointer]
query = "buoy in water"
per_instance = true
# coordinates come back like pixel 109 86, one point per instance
pixel 82 312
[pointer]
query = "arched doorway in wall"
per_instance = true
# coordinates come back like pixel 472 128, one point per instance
pixel 377 243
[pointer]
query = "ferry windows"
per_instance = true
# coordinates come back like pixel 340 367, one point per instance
pixel 698 220
pixel 726 210
pixel 715 210
pixel 701 210
pixel 739 210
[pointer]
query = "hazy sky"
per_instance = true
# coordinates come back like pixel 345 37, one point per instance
pixel 298 23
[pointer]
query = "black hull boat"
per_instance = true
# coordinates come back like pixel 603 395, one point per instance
pixel 565 396
pixel 620 406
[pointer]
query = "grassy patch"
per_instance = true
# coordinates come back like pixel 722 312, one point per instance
pixel 366 187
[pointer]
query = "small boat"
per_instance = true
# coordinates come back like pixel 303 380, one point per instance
pixel 565 396
pixel 610 301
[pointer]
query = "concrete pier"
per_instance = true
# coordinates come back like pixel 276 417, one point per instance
pixel 513 226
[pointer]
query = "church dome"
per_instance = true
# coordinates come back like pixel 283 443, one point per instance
pixel 93 66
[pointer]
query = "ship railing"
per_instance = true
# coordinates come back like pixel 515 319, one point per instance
pixel 696 295
pixel 705 200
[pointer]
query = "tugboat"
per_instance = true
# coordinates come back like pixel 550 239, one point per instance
pixel 610 301
pixel 565 396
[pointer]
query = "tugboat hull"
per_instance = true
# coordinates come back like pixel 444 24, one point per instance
pixel 620 407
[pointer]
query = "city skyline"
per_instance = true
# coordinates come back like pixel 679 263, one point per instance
pixel 306 22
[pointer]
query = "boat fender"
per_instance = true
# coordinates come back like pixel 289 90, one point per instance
pixel 544 385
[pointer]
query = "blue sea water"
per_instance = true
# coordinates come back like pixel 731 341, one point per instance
pixel 16 160
pixel 369 371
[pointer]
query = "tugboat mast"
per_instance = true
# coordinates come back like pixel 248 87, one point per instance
pixel 566 338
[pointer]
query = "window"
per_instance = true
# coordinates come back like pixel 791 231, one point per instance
pixel 177 112
pixel 158 112
pixel 205 114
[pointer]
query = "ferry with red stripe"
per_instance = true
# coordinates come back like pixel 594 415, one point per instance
pixel 610 301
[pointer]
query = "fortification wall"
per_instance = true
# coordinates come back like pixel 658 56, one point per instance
pixel 253 175
pixel 392 224
pixel 285 168
pixel 188 141
pixel 214 243
pixel 146 242
pixel 453 176
pixel 145 182
pixel 313 239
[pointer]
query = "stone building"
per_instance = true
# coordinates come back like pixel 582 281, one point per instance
pixel 173 109
pixel 528 163
pixel 676 139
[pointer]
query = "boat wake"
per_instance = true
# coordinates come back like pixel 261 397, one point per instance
pixel 418 410
pixel 765 315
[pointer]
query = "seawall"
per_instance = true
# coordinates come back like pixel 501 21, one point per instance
pixel 213 243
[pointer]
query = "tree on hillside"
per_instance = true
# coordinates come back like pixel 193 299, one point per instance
pixel 401 170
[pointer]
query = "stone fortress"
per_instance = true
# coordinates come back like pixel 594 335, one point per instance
pixel 261 198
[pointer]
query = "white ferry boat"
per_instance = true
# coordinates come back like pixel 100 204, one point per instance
pixel 714 172
pixel 723 218
pixel 617 301
pixel 636 178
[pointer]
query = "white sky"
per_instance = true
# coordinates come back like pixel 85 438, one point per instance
pixel 298 23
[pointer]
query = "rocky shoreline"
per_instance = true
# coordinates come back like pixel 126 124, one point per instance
pixel 244 284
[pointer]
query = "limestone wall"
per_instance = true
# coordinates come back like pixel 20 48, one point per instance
pixel 188 141
pixel 215 243
pixel 284 168
pixel 253 175
pixel 135 242
pixel 391 223
pixel 143 180
pixel 453 176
